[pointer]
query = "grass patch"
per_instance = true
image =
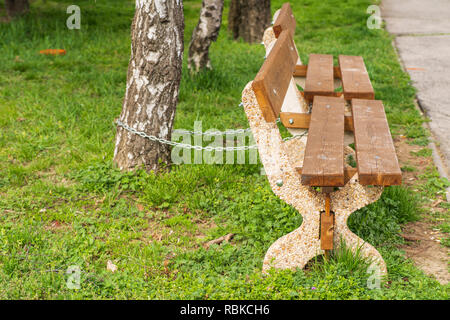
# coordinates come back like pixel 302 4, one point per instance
pixel 425 152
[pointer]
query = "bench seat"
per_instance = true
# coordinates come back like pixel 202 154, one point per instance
pixel 324 154
pixel 375 152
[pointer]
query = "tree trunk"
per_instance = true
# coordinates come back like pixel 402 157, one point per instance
pixel 206 31
pixel 248 19
pixel 153 82
pixel 16 7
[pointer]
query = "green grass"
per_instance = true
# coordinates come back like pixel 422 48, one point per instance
pixel 63 203
pixel 425 152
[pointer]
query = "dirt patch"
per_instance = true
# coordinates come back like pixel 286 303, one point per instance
pixel 54 178
pixel 412 165
pixel 424 248
pixel 422 237
pixel 160 232
pixel 57 226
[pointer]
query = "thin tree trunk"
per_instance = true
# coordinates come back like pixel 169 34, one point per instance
pixel 16 7
pixel 247 19
pixel 153 81
pixel 206 31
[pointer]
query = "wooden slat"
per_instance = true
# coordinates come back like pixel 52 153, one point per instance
pixel 272 81
pixel 323 164
pixel 285 20
pixel 302 120
pixel 355 79
pixel 301 70
pixel 349 172
pixel 326 226
pixel 319 76
pixel 326 231
pixel 375 153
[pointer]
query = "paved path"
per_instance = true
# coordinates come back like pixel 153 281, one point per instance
pixel 422 30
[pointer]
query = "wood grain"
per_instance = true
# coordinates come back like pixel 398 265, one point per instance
pixel 355 79
pixel 285 20
pixel 326 226
pixel 319 76
pixel 323 165
pixel 349 172
pixel 272 81
pixel 375 152
pixel 302 120
pixel 301 70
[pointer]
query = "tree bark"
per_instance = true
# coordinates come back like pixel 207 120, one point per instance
pixel 206 31
pixel 16 7
pixel 153 81
pixel 248 19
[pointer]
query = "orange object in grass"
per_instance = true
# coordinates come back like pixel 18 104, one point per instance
pixel 53 52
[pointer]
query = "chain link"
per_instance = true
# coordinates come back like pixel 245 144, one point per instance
pixel 199 148
pixel 213 133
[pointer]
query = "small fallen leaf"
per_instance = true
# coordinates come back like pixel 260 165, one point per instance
pixel 415 69
pixel 56 224
pixel 111 266
pixel 225 238
pixel 53 52
pixel 437 202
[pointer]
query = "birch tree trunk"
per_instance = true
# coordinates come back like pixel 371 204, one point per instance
pixel 16 7
pixel 248 19
pixel 206 31
pixel 153 81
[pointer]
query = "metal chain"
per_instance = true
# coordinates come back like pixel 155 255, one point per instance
pixel 217 133
pixel 296 136
pixel 199 148
pixel 213 133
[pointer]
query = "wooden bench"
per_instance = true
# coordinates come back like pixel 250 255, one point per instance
pixel 320 73
pixel 323 163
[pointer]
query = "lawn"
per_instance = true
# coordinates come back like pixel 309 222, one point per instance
pixel 62 202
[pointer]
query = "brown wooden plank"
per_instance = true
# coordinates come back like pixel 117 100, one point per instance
pixel 355 79
pixel 272 81
pixel 301 70
pixel 319 76
pixel 326 225
pixel 326 231
pixel 301 120
pixel 323 164
pixel 375 152
pixel 349 172
pixel 285 20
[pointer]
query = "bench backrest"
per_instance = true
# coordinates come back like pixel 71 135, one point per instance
pixel 285 20
pixel 273 79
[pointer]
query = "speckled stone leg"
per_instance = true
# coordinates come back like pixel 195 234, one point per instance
pixel 280 158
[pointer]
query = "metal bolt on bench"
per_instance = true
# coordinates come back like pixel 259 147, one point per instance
pixel 295 168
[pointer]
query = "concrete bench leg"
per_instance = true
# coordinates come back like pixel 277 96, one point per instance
pixel 295 249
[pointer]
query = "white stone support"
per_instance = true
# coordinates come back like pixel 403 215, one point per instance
pixel 280 159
